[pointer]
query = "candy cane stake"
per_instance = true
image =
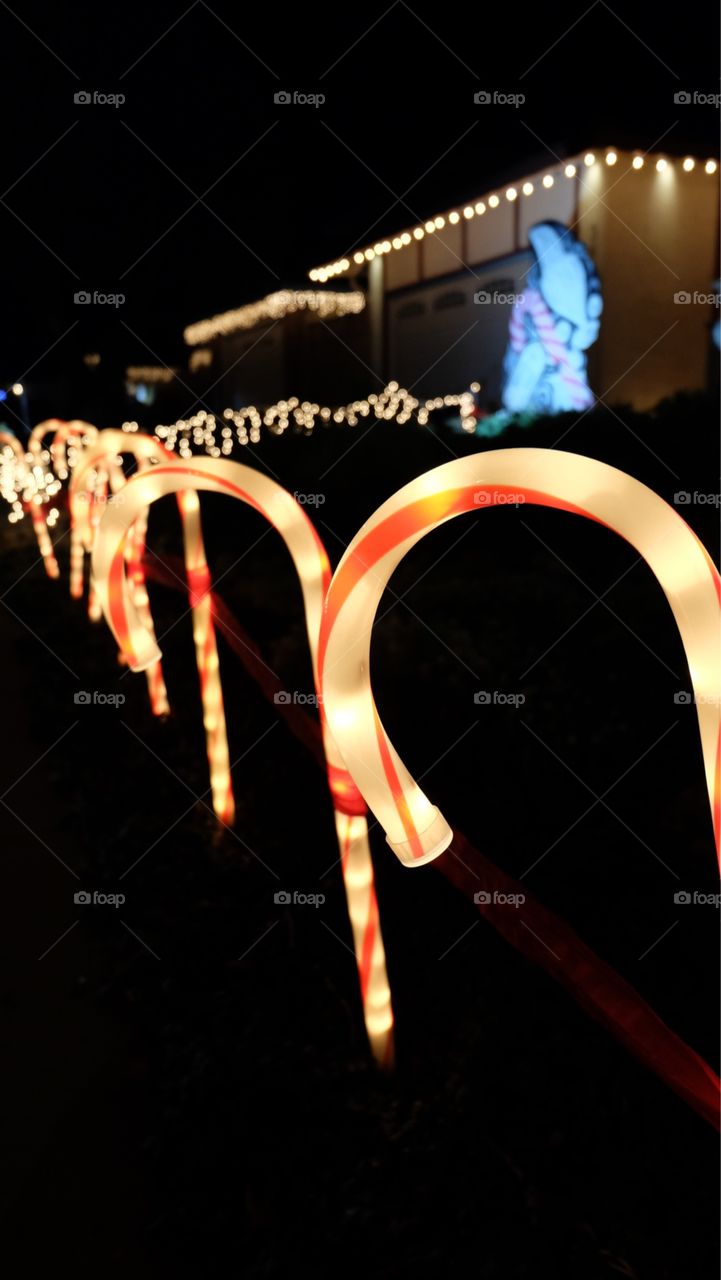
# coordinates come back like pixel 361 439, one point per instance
pixel 311 563
pixel 415 830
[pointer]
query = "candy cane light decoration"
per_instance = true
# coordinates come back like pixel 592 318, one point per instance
pixel 75 432
pixel 415 829
pixel 98 468
pixel 102 461
pixel 140 648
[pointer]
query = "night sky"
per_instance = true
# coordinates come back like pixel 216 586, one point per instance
pixel 199 193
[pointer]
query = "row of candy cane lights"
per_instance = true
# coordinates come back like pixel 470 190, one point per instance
pixel 117 587
pixel 340 642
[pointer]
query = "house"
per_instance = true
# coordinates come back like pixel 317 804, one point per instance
pixel 430 306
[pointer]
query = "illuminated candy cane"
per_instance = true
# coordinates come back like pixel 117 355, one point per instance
pixel 97 470
pixel 75 431
pixel 311 562
pixel 103 457
pixel 415 830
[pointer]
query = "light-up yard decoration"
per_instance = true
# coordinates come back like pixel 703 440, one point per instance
pixel 75 433
pixel 415 829
pixel 98 475
pixel 553 323
pixel 138 645
pixel 15 474
pixel 102 465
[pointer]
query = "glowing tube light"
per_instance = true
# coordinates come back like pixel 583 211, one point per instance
pixel 415 830
pixel 61 432
pixel 138 645
pixel 98 468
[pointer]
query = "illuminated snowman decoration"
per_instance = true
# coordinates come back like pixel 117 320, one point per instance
pixel 553 323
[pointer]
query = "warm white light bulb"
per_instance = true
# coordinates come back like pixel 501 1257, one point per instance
pixel 548 180
pixel 611 157
pixel 570 170
pixel 637 162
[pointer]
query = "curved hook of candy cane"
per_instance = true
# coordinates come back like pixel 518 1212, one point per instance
pixel 101 456
pixel 415 830
pixel 313 568
pixel 74 431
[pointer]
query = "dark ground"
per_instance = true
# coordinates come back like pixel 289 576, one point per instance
pixel 189 1089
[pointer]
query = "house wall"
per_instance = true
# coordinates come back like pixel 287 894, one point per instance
pixel 652 235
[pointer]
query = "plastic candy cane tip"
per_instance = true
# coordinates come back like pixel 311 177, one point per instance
pixel 149 656
pixel 427 845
